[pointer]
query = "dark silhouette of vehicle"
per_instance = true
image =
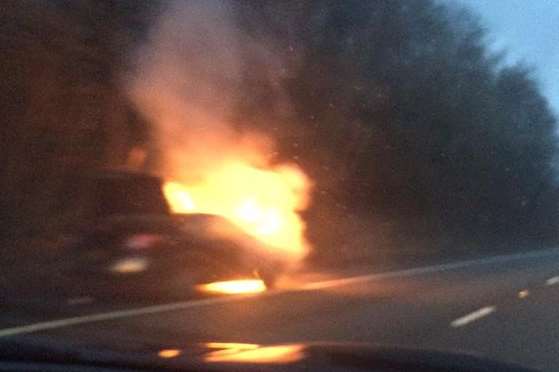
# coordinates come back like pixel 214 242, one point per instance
pixel 131 244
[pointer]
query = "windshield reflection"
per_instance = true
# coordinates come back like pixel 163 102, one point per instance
pixel 251 353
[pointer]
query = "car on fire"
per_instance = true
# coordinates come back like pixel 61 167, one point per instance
pixel 133 245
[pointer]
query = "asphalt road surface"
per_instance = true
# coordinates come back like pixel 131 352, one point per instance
pixel 503 307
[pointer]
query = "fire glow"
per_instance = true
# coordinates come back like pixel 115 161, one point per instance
pixel 241 286
pixel 251 353
pixel 187 82
pixel 264 202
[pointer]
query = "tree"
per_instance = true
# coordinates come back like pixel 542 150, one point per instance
pixel 400 110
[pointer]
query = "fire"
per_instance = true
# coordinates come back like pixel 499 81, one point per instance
pixel 252 353
pixel 169 353
pixel 178 197
pixel 241 286
pixel 264 202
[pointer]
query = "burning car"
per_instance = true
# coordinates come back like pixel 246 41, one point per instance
pixel 134 244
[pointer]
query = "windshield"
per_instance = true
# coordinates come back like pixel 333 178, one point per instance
pixel 378 172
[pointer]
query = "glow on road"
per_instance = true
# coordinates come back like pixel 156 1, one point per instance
pixel 242 286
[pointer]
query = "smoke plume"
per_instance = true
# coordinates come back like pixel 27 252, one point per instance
pixel 186 82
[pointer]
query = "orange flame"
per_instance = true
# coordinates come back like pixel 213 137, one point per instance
pixel 252 353
pixel 264 202
pixel 169 353
pixel 241 286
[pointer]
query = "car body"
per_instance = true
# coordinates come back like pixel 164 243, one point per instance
pixel 132 243
pixel 160 254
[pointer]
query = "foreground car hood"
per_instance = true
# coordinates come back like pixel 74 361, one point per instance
pixel 219 356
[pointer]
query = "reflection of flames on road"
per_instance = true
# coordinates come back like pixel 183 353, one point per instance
pixel 263 202
pixel 241 286
pixel 253 353
pixel 234 352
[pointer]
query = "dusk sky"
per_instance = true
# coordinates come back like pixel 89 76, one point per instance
pixel 529 31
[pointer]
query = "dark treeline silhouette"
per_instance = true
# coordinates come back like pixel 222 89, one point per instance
pixel 62 110
pixel 397 110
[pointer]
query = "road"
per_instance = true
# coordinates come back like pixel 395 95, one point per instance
pixel 504 307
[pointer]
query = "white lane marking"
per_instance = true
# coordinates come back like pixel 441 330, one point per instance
pixel 61 323
pixel 424 270
pixel 552 281
pixel 472 317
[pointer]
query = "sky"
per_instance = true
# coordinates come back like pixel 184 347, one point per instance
pixel 528 30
